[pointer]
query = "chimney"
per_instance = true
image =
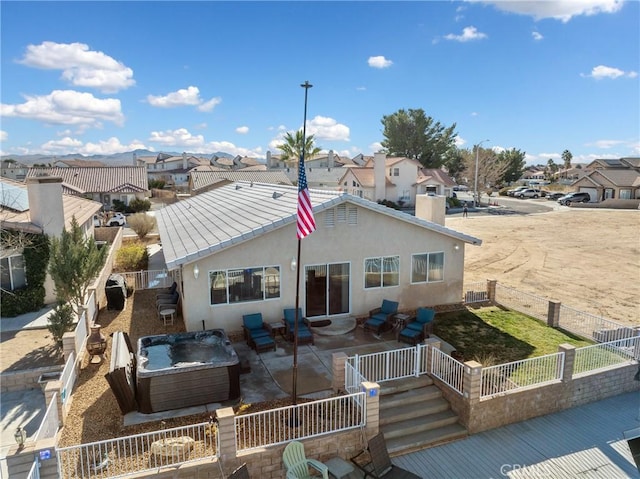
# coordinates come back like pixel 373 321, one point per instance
pixel 135 159
pixel 269 165
pixel 431 208
pixel 45 204
pixel 330 159
pixel 379 176
pixel 185 165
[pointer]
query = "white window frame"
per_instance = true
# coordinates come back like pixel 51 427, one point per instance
pixel 225 274
pixel 10 270
pixel 383 262
pixel 428 276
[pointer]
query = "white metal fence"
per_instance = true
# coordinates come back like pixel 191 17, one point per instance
pixel 34 472
pixel 143 452
pixel 68 378
pixel 281 425
pixel 475 292
pixel 529 304
pixel 605 355
pixel 390 365
pixel 151 279
pixel 447 369
pixel 593 327
pixel 50 423
pixel 520 374
pixel 352 378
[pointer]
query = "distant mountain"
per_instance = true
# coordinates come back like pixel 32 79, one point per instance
pixel 117 159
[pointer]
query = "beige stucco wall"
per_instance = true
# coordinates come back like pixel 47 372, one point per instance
pixel 374 235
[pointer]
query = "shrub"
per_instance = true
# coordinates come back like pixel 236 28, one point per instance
pixel 137 205
pixel 142 224
pixel 60 321
pixel 22 301
pixel 156 184
pixel 119 206
pixel 132 257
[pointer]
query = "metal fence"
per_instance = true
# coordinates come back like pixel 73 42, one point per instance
pixel 142 452
pixel 529 304
pixel 521 374
pixel 352 378
pixel 316 418
pixel 68 378
pixel 605 355
pixel 34 472
pixel 151 279
pixel 475 292
pixel 390 365
pixel 447 369
pixel 50 423
pixel 593 327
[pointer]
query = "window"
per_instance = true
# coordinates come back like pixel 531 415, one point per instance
pixel 382 272
pixel 625 194
pixel 427 267
pixel 396 172
pixel 241 285
pixel 13 273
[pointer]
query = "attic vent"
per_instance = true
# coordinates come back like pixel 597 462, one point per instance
pixel 342 213
pixel 352 218
pixel 329 218
pixel 276 195
pixel 238 187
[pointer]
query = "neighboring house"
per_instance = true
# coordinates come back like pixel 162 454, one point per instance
pixel 236 163
pixel 611 178
pixel 236 247
pixel 173 170
pixel 38 207
pixel 78 164
pixel 434 181
pixel 533 173
pixel 321 160
pixel 104 184
pixel 203 178
pixel 13 170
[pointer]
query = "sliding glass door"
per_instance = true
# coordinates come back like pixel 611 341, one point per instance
pixel 327 289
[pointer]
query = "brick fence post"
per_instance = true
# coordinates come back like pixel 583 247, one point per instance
pixel 338 361
pixel 227 437
pixel 553 314
pixel 491 290
pixel 372 392
pixel 471 385
pixel 569 361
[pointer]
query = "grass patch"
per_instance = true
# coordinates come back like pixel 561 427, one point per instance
pixel 492 335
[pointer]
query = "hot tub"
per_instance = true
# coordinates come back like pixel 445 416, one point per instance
pixel 186 369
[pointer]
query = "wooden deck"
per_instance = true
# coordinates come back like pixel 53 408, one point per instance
pixel 582 442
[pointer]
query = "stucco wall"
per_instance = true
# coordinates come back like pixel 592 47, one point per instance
pixel 374 235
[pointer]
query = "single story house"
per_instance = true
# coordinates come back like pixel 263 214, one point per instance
pixel 236 247
pixel 203 178
pixel 608 183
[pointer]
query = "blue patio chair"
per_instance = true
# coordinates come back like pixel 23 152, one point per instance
pixel 256 333
pixel 381 319
pixel 419 328
pixel 305 335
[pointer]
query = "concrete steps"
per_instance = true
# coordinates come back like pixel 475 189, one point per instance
pixel 414 416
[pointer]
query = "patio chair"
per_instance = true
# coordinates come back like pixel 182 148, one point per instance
pixel 168 298
pixel 241 472
pixel 419 328
pixel 375 462
pixel 170 290
pixel 305 335
pixel 381 319
pixel 256 333
pixel 297 464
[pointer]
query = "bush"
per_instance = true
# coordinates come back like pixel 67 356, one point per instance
pixel 119 206
pixel 156 184
pixel 60 322
pixel 137 206
pixel 22 301
pixel 142 224
pixel 132 257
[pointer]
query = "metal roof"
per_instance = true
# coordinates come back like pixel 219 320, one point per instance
pixel 106 179
pixel 241 211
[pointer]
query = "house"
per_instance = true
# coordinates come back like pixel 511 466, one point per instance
pixel 173 170
pixel 611 178
pixel 236 247
pixel 78 164
pixel 13 170
pixel 203 178
pixel 103 184
pixel 321 160
pixel 434 181
pixel 38 207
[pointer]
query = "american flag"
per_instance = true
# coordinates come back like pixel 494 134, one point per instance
pixel 306 222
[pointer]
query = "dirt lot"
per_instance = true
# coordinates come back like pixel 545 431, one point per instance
pixel 588 259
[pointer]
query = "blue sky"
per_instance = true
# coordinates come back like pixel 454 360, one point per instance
pixel 101 78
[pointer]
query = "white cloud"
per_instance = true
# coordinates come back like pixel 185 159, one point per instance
pixel 537 36
pixel 379 62
pixel 3 135
pixel 606 144
pixel 179 137
pixel 80 66
pixel 243 130
pixel 189 96
pixel 602 71
pixel 562 10
pixel 459 141
pixel 70 145
pixel 375 146
pixel 361 88
pixel 324 128
pixel 468 34
pixel 67 107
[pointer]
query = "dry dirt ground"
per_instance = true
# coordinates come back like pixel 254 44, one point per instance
pixel 588 259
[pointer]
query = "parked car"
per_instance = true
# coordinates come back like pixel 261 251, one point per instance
pixel 514 191
pixel 461 188
pixel 555 195
pixel 117 219
pixel 529 193
pixel 575 197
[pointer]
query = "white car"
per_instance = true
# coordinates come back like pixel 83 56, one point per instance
pixel 117 219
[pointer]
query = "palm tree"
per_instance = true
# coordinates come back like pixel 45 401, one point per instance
pixel 292 147
pixel 566 158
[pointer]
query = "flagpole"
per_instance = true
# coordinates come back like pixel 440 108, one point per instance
pixel 306 85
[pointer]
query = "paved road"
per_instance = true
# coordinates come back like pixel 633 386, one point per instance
pixel 508 206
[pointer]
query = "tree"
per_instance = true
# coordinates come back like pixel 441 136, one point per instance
pixel 514 161
pixel 566 158
pixel 292 147
pixel 60 321
pixel 142 224
pixel 491 168
pixel 551 169
pixel 455 164
pixel 75 261
pixel 412 134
